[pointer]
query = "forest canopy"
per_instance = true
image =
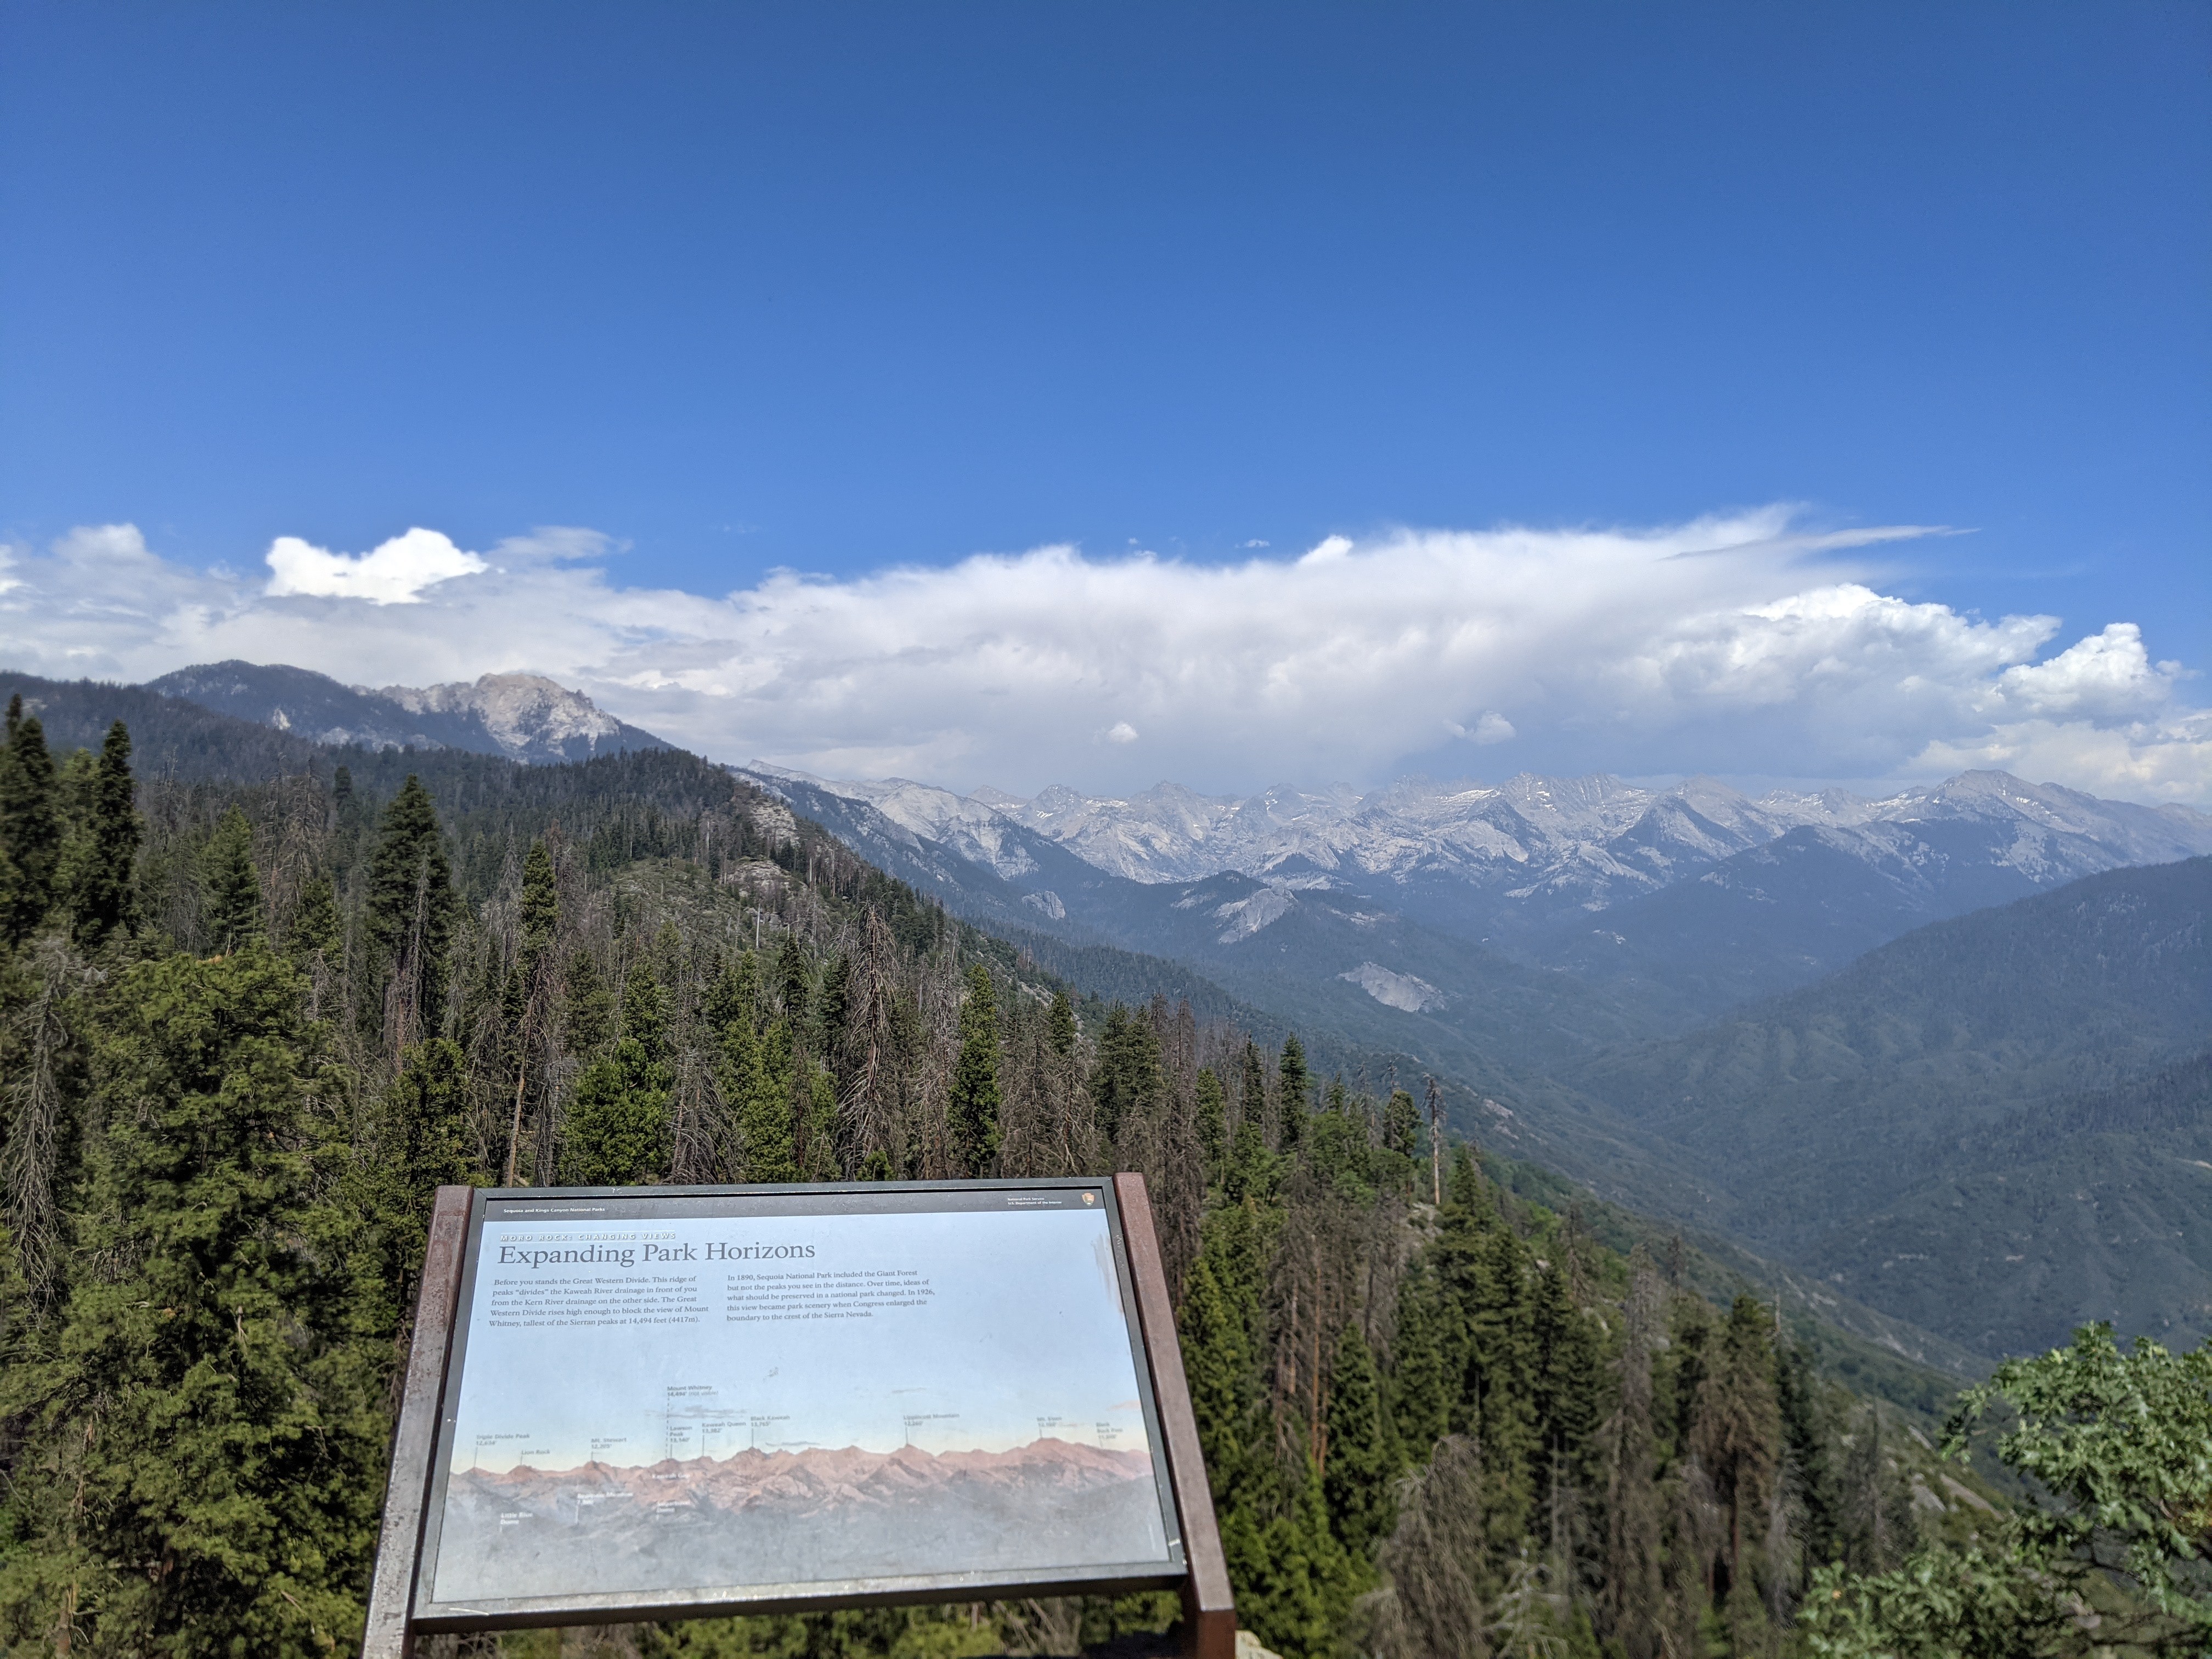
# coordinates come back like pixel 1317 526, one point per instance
pixel 251 1027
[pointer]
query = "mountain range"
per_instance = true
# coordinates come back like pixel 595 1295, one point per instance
pixel 1965 1016
pixel 1943 1059
pixel 525 717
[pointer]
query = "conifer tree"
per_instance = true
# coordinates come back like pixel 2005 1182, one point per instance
pixel 1402 1125
pixel 315 930
pixel 30 827
pixel 410 913
pixel 538 916
pixel 1294 1087
pixel 767 1120
pixel 1566 1380
pixel 1361 1456
pixel 1633 1603
pixel 1217 1361
pixel 230 887
pixel 1423 1394
pixel 587 1013
pixel 1433 1600
pixel 763 1106
pixel 1127 1080
pixel 1061 1024
pixel 1252 1089
pixel 973 1108
pixel 1737 1428
pixel 207 1456
pixel 617 1132
pixel 103 899
pixel 791 985
pixel 415 1146
pixel 1213 1121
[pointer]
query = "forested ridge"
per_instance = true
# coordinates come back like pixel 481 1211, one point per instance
pixel 250 1027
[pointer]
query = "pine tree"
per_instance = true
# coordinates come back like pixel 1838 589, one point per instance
pixel 1633 1601
pixel 315 930
pixel 1499 1403
pixel 1252 1089
pixel 1216 1362
pixel 790 984
pixel 764 1116
pixel 587 1013
pixel 1422 1393
pixel 415 1146
pixel 231 889
pixel 617 1132
pixel 1567 1379
pixel 205 1413
pixel 540 913
pixel 1362 1457
pixel 1294 1087
pixel 1737 1429
pixel 1212 1122
pixel 101 862
pixel 973 1108
pixel 30 827
pixel 1127 1083
pixel 410 901
pixel 1061 1024
pixel 1402 1125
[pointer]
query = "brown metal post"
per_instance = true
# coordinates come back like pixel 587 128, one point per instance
pixel 1209 1610
pixel 407 1493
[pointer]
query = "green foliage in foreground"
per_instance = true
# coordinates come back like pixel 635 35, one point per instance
pixel 2114 1562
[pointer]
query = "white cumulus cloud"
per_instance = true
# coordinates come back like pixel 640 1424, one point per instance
pixel 1742 643
pixel 394 573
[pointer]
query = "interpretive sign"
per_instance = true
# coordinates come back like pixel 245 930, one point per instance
pixel 674 1401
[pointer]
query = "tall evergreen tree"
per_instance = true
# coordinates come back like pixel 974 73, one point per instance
pixel 1213 1121
pixel 791 982
pixel 1737 1429
pixel 1127 1080
pixel 206 1454
pixel 617 1133
pixel 1424 1392
pixel 230 888
pixel 1362 1457
pixel 410 902
pixel 972 1110
pixel 417 1145
pixel 1402 1124
pixel 762 1105
pixel 1632 1596
pixel 30 827
pixel 1294 1092
pixel 587 1013
pixel 1060 1022
pixel 102 861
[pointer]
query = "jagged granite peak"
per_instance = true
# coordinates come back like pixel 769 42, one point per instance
pixel 525 717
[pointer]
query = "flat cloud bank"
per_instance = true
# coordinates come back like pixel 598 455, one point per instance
pixel 1744 643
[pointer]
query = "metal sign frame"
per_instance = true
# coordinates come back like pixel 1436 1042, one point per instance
pixel 400 1605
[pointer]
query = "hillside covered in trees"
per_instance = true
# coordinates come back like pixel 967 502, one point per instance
pixel 252 1025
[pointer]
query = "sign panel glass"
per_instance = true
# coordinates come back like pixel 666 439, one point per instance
pixel 723 1396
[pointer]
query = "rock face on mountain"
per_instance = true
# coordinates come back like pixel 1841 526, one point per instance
pixel 525 717
pixel 1582 840
pixel 1683 901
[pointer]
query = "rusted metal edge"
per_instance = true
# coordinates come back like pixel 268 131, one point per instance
pixel 1209 1609
pixel 388 1634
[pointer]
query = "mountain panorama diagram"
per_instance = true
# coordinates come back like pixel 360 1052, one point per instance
pixel 757 1400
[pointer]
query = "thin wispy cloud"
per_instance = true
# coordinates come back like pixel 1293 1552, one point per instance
pixel 1747 643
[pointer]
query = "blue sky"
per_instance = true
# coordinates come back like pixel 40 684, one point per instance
pixel 842 290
